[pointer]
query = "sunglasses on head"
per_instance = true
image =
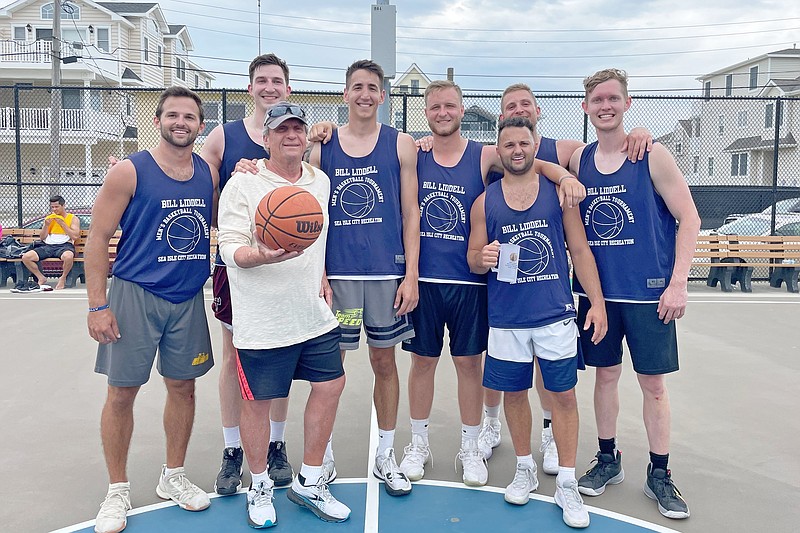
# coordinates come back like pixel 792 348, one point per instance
pixel 279 111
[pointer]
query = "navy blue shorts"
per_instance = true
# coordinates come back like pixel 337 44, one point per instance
pixel 460 307
pixel 653 344
pixel 268 374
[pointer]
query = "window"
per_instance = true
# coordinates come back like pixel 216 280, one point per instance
pixel 707 90
pixel 696 164
pixel 20 33
pixel 208 84
pixel 212 114
pixel 753 77
pixel 103 39
pixel 128 105
pixel 728 84
pixel 414 86
pixel 196 80
pixel 181 46
pixel 678 147
pixel 145 49
pixel 741 119
pixel 74 35
pixel 69 11
pixel 721 125
pixel 398 120
pixel 153 27
pixel 739 165
pixel 96 100
pixel 180 65
pixel 769 115
pixel 235 112
pixel 160 58
pixel 710 166
pixel 71 98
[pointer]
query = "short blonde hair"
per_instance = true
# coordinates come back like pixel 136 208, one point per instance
pixel 602 76
pixel 517 87
pixel 440 85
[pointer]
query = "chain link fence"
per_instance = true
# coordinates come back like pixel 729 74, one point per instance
pixel 739 155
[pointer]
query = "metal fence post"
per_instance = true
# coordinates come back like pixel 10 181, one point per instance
pixel 18 153
pixel 405 113
pixel 224 106
pixel 775 144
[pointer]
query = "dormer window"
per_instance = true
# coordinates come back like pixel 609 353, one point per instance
pixel 69 11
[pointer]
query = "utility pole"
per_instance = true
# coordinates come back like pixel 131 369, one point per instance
pixel 55 100
pixel 259 27
pixel 383 40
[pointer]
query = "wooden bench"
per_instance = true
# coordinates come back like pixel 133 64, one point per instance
pixel 731 259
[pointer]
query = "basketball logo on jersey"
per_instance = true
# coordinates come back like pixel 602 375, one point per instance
pixel 605 218
pixel 356 196
pixel 535 251
pixel 182 229
pixel 441 213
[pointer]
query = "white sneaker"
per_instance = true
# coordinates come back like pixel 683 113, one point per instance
pixel 328 469
pixel 395 481
pixel 489 436
pixel 112 517
pixel 570 501
pixel 548 448
pixel 415 456
pixel 525 482
pixel 182 491
pixel 260 511
pixel 473 464
pixel 319 500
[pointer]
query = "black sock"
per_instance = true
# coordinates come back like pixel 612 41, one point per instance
pixel 659 461
pixel 607 445
pixel 546 422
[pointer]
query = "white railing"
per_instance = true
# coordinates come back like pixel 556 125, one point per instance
pixel 30 52
pixel 71 120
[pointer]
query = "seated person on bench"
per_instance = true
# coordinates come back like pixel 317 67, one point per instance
pixel 59 232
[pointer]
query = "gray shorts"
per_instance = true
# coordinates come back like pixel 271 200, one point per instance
pixel 370 302
pixel 147 323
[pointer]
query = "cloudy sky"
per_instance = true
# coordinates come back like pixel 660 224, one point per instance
pixel 552 45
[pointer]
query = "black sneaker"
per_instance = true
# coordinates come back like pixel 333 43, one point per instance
pixel 659 487
pixel 280 471
pixel 607 470
pixel 21 286
pixel 229 479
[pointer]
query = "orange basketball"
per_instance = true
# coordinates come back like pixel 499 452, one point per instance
pixel 290 218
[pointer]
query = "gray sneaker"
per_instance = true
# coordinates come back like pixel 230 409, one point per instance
pixel 659 487
pixel 606 471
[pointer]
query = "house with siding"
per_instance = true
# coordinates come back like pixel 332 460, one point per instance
pixel 109 52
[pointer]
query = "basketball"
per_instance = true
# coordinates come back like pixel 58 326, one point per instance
pixel 290 218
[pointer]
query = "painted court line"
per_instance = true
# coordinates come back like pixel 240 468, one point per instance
pixel 373 485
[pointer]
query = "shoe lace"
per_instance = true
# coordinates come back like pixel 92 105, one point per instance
pixel 488 433
pixel 572 497
pixel 229 464
pixel 667 488
pixel 278 455
pixel 522 477
pixel 389 467
pixel 115 503
pixel 263 495
pixel 185 489
pixel 599 468
pixel 470 457
pixel 417 452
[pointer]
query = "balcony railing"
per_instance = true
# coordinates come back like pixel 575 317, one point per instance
pixel 75 120
pixel 41 52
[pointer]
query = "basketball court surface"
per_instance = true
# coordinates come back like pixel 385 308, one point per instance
pixel 734 453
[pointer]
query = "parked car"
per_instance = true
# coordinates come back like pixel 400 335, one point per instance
pixel 790 205
pixel 759 224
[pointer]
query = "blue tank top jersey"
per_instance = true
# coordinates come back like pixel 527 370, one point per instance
pixel 446 195
pixel 365 236
pixel 238 146
pixel 165 242
pixel 547 152
pixel 541 294
pixel 630 230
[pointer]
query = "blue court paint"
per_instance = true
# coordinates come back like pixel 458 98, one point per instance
pixel 431 507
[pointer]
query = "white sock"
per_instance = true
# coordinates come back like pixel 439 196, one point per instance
pixel 329 450
pixel 258 478
pixel 385 441
pixel 469 433
pixel 565 475
pixel 420 427
pixel 491 411
pixel 525 460
pixel 311 474
pixel 276 431
pixel 231 436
